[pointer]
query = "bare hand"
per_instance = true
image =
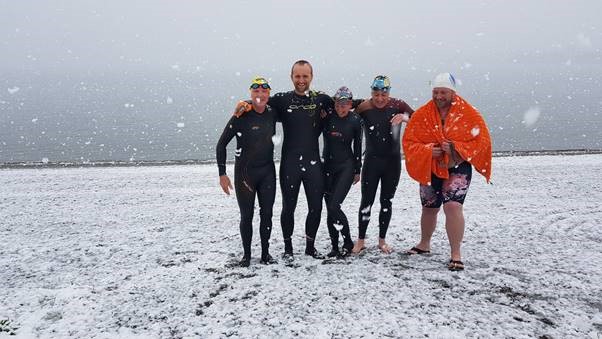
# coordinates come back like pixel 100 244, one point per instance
pixel 437 152
pixel 241 108
pixel 323 114
pixel 356 179
pixel 225 183
pixel 446 147
pixel 399 118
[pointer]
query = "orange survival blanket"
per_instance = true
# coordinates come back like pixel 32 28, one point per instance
pixel 464 127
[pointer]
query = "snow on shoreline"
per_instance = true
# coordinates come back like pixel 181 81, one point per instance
pixel 147 251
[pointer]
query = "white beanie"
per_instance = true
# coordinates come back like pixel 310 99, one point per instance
pixel 445 80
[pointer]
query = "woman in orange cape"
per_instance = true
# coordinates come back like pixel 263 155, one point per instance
pixel 441 143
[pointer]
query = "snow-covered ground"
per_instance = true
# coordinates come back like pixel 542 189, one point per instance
pixel 148 252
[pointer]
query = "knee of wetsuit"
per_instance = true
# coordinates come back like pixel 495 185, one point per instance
pixel 385 203
pixel 333 206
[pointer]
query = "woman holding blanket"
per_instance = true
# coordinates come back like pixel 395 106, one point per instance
pixel 442 142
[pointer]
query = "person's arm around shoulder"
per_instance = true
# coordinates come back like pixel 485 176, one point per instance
pixel 244 106
pixel 405 112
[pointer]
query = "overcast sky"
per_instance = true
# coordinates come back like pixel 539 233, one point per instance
pixel 267 36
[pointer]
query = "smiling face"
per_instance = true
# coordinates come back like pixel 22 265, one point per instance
pixel 259 98
pixel 342 107
pixel 443 97
pixel 380 98
pixel 301 75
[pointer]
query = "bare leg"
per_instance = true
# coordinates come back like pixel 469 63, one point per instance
pixel 454 225
pixel 428 223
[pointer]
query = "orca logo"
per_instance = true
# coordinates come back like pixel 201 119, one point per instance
pixel 304 107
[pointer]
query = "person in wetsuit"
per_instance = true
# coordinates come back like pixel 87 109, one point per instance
pixel 299 111
pixel 382 117
pixel 342 166
pixel 254 170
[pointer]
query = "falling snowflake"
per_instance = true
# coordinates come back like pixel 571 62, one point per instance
pixel 181 125
pixel 531 116
pixel 475 131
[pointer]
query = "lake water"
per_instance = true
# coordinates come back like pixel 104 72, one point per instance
pixel 137 116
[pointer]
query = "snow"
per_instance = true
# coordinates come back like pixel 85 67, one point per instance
pixel 531 115
pixel 148 251
pixel 276 139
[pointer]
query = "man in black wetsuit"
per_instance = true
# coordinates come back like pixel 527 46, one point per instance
pixel 254 170
pixel 342 166
pixel 299 112
pixel 382 117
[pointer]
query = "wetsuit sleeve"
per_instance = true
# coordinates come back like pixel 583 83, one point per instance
pixel 220 150
pixel 405 108
pixel 357 146
pixel 328 103
pixel 356 102
pixel 328 106
pixel 275 101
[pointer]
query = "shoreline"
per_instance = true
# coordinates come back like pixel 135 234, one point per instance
pixel 144 163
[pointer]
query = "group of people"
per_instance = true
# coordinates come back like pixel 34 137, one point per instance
pixel 442 142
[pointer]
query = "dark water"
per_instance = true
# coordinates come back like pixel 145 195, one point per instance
pixel 139 116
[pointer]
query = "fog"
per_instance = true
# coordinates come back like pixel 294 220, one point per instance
pixel 156 80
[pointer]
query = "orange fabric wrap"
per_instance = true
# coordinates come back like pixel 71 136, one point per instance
pixel 464 127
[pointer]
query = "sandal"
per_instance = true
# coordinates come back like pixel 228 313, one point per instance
pixel 416 250
pixel 455 265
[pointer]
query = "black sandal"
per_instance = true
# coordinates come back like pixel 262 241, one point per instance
pixel 416 250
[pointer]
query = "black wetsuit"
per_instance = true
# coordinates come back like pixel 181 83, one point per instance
pixel 254 171
pixel 341 164
pixel 382 161
pixel 302 126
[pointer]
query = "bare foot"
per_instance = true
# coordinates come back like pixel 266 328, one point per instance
pixel 384 247
pixel 359 246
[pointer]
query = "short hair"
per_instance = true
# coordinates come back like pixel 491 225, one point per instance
pixel 301 63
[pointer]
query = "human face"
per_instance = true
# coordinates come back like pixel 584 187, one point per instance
pixel 443 97
pixel 259 98
pixel 342 107
pixel 301 77
pixel 380 98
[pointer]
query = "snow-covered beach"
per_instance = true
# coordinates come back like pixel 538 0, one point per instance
pixel 148 252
